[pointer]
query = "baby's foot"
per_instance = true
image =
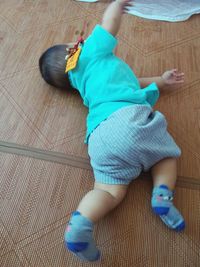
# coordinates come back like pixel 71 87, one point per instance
pixel 79 238
pixel 173 219
pixel 161 200
pixel 163 206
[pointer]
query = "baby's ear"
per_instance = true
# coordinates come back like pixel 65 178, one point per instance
pixel 67 53
pixel 69 46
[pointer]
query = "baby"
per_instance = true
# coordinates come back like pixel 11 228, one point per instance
pixel 124 135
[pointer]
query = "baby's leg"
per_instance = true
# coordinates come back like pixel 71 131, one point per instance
pixel 164 179
pixel 94 206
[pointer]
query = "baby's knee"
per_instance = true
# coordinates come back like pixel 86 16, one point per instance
pixel 116 191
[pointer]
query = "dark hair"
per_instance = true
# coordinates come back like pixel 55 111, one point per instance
pixel 52 65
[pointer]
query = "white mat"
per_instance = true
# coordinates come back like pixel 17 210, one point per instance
pixel 168 10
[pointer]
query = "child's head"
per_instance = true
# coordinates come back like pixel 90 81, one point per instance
pixel 52 66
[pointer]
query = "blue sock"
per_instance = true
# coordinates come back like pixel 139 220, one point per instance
pixel 173 219
pixel 161 200
pixel 79 238
pixel 163 206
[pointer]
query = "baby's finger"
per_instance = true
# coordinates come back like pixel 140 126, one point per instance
pixel 174 70
pixel 124 2
pixel 179 76
pixel 127 6
pixel 181 81
pixel 128 3
pixel 126 9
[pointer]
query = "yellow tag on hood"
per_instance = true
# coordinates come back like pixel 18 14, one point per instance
pixel 72 61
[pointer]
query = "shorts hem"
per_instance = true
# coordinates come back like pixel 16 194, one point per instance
pixel 104 179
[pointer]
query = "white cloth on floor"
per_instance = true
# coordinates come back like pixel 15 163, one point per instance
pixel 168 10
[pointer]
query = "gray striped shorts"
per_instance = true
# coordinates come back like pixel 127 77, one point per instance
pixel 129 141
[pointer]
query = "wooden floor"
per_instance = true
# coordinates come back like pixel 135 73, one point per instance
pixel 44 164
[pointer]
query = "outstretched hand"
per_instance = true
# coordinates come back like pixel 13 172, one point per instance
pixel 172 77
pixel 125 4
pixel 112 16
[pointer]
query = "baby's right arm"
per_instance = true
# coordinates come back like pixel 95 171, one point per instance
pixel 112 16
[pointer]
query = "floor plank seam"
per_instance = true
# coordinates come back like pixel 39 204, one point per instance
pixel 74 161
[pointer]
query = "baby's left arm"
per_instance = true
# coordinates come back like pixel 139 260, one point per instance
pixel 170 77
pixel 112 16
